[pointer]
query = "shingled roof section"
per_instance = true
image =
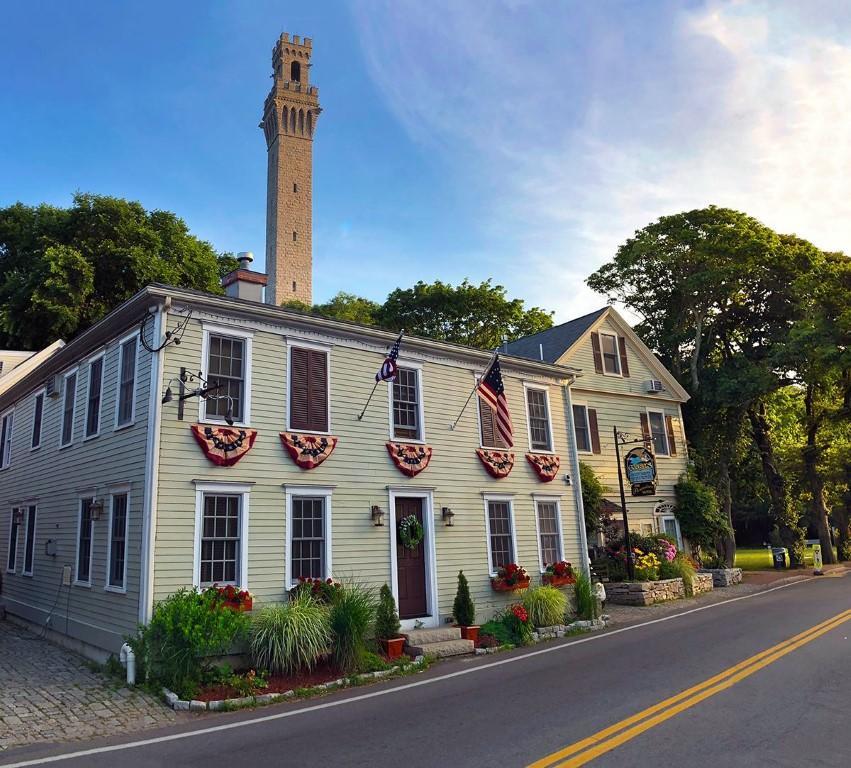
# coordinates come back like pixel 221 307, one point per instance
pixel 555 341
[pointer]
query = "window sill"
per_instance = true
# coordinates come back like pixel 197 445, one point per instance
pixel 613 375
pixel 115 590
pixel 28 575
pixel 125 425
pixel 91 437
pixel 411 440
pixel 540 452
pixel 84 584
pixel 10 572
pixel 297 431
pixel 222 423
pixel 496 448
pixel 66 445
pixel 35 448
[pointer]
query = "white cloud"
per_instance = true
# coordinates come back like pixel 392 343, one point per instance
pixel 590 122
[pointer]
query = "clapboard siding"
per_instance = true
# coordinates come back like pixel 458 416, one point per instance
pixel 53 478
pixel 359 469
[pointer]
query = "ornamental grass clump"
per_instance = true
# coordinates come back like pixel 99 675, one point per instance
pixel 586 602
pixel 288 638
pixel 682 568
pixel 463 609
pixel 387 624
pixel 545 605
pixel 352 616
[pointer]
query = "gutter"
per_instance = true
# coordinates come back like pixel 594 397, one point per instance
pixel 577 485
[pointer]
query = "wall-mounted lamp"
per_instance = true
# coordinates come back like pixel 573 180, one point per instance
pixel 447 514
pixel 18 517
pixel 567 480
pixel 96 509
pixel 377 515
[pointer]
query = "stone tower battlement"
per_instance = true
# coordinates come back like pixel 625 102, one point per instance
pixel 289 120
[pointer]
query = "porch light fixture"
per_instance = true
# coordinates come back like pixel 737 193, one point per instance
pixel 204 390
pixel 567 480
pixel 447 514
pixel 377 515
pixel 96 509
pixel 18 517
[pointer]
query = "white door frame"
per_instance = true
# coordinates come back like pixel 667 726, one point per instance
pixel 394 492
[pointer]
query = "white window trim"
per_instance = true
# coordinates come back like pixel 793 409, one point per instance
pixel 661 525
pixel 326 348
pixel 77 583
pixel 132 420
pixel 546 390
pixel 292 491
pixel 667 454
pixel 489 497
pixel 418 367
pixel 233 489
pixel 43 394
pixel 236 333
pixel 100 356
pixel 26 509
pixel 117 490
pixel 9 549
pixel 432 605
pixel 65 377
pixel 619 374
pixel 581 404
pixel 4 462
pixel 536 499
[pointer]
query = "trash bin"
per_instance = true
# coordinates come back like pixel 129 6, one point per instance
pixel 779 556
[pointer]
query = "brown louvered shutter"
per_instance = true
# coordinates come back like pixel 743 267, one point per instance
pixel 645 429
pixel 490 434
pixel 672 443
pixel 594 430
pixel 317 383
pixel 624 362
pixel 299 394
pixel 598 355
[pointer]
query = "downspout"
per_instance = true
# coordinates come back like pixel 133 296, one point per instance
pixel 152 466
pixel 128 659
pixel 577 482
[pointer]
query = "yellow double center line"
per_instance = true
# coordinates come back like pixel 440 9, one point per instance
pixel 582 752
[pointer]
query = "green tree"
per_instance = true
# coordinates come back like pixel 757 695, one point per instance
pixel 593 492
pixel 700 519
pixel 62 269
pixel 463 608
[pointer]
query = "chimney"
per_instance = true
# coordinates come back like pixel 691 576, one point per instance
pixel 242 283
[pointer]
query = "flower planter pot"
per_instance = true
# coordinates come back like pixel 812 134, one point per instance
pixel 557 581
pixel 245 605
pixel 393 647
pixel 501 586
pixel 469 633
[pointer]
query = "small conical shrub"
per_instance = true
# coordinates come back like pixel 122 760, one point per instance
pixel 386 619
pixel 463 609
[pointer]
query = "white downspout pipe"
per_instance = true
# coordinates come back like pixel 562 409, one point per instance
pixel 128 659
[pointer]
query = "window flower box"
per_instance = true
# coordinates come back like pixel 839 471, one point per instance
pixel 559 574
pixel 557 581
pixel 510 578
pixel 231 597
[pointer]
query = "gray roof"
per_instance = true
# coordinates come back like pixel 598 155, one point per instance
pixel 555 341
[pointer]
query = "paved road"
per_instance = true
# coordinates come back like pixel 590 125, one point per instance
pixel 790 707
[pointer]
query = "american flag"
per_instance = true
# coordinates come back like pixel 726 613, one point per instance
pixel 492 391
pixel 388 369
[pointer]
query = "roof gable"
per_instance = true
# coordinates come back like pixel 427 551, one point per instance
pixel 555 341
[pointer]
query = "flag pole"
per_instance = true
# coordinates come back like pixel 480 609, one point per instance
pixel 377 382
pixel 475 387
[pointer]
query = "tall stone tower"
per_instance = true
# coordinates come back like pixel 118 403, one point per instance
pixel 289 119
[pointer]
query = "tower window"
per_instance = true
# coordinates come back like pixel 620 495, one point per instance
pixel 295 71
pixel 295 187
pixel 293 286
pixel 295 237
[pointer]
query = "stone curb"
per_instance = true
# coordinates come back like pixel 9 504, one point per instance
pixel 175 702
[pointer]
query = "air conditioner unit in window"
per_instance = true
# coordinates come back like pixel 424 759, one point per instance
pixel 654 385
pixel 52 386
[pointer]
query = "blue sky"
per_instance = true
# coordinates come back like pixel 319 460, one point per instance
pixel 516 140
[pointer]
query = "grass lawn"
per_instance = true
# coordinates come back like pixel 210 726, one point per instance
pixel 759 559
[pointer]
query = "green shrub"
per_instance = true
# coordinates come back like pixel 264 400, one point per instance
pixel 386 619
pixel 352 615
pixel 593 493
pixel 516 619
pixel 701 519
pixel 679 568
pixel 290 637
pixel 185 630
pixel 463 609
pixel 545 605
pixel 496 629
pixel 586 602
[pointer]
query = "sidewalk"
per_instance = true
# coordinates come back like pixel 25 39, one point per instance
pixel 776 577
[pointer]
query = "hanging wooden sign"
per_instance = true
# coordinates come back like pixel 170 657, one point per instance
pixel 308 451
pixel 224 446
pixel 640 466
pixel 545 465
pixel 497 463
pixel 410 458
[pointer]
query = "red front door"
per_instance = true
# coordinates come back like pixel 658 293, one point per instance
pixel 411 566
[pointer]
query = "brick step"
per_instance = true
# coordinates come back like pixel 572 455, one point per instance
pixel 442 649
pixel 436 635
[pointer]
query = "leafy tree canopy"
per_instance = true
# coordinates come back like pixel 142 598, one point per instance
pixel 62 269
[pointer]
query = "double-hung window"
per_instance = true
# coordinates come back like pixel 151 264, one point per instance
pixel 582 428
pixel 69 397
pixel 407 412
pixel 116 576
pixel 549 531
pixel 658 433
pixel 126 401
pixel 537 408
pixel 14 527
pixel 94 397
pixel 84 542
pixel 29 540
pixel 309 537
pixel 6 439
pixel 308 390
pixel 226 374
pixel 221 539
pixel 500 527
pixel 611 355
pixel 38 417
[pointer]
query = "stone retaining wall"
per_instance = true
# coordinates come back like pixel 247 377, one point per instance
pixel 702 582
pixel 724 577
pixel 644 592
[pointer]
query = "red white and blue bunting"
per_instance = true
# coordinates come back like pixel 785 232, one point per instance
pixel 224 446
pixel 545 465
pixel 308 451
pixel 498 463
pixel 410 458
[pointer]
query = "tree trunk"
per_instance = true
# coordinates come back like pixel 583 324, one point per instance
pixel 791 533
pixel 695 355
pixel 811 454
pixel 726 545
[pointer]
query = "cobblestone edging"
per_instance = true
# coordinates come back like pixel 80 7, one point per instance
pixel 557 630
pixel 645 592
pixel 723 577
pixel 702 583
pixel 193 705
